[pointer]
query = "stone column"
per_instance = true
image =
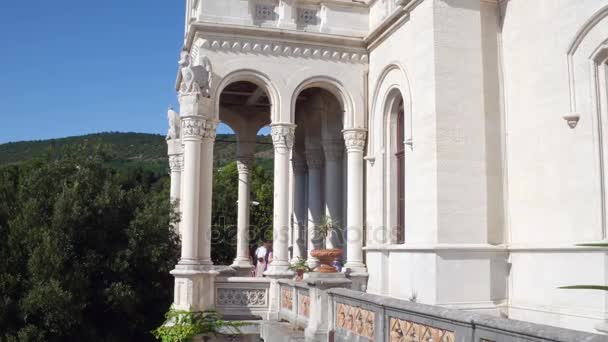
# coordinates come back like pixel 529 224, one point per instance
pixel 314 160
pixel 355 145
pixel 334 151
pixel 176 161
pixel 193 274
pixel 242 263
pixel 282 138
pixel 299 206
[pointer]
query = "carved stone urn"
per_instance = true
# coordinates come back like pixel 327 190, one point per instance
pixel 326 257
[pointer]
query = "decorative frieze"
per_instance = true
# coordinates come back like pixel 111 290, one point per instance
pixel 286 298
pixel 304 305
pixel 198 127
pixel 284 49
pixel 359 321
pixel 307 16
pixel 264 12
pixel 355 139
pixel 241 297
pixel 406 331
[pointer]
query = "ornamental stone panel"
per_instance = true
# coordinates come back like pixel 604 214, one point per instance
pixel 358 321
pixel 406 331
pixel 241 297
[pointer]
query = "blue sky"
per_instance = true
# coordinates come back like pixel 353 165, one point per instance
pixel 71 67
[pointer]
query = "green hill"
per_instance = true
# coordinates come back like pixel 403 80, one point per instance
pixel 128 149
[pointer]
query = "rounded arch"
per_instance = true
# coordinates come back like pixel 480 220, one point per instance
pixel 255 77
pixel 335 88
pixel 392 78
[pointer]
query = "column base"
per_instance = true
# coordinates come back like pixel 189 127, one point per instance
pixel 279 270
pixel 242 267
pixel 194 265
pixel 192 289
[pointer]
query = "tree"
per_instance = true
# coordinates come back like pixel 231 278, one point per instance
pixel 224 216
pixel 86 251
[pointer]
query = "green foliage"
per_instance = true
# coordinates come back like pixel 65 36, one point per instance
pixel 224 215
pixel 300 265
pixel 326 227
pixel 130 150
pixel 85 251
pixel 183 326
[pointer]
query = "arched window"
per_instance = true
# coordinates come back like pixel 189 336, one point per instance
pixel 395 168
pixel 400 161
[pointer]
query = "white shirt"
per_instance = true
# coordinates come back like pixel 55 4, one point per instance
pixel 261 252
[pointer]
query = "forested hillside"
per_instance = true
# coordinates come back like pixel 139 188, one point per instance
pixel 148 151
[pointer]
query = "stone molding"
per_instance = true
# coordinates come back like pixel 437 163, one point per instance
pixel 195 79
pixel 284 49
pixel 197 127
pixel 283 136
pixel 354 139
pixel 176 163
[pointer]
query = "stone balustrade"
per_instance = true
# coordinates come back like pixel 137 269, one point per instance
pixel 242 297
pixel 338 17
pixel 357 316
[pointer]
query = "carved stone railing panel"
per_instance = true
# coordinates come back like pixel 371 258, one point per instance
pixel 359 321
pixel 287 298
pixel 242 297
pixel 236 296
pixel 357 316
pixel 406 331
pixel 304 305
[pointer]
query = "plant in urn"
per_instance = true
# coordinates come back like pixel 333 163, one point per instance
pixel 326 256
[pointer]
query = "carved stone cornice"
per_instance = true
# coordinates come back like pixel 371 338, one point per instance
pixel 176 162
pixel 274 48
pixel 197 127
pixel 244 164
pixel 333 149
pixel 354 139
pixel 283 136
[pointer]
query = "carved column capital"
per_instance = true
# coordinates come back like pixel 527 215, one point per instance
pixel 354 139
pixel 176 162
pixel 244 164
pixel 197 128
pixel 333 149
pixel 299 166
pixel 314 159
pixel 282 136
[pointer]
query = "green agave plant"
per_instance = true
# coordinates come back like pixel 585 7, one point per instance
pixel 589 287
pixel 183 326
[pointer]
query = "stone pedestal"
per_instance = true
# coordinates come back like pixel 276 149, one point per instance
pixel 318 284
pixel 194 290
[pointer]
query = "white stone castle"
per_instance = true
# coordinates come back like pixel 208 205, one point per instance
pixel 463 144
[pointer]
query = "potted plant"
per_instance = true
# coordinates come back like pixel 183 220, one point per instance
pixel 184 326
pixel 299 267
pixel 326 257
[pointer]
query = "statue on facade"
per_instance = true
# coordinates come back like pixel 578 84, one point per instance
pixel 174 124
pixel 195 79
